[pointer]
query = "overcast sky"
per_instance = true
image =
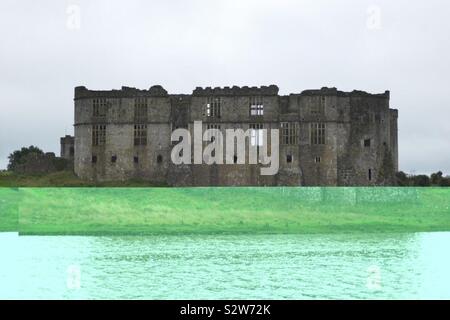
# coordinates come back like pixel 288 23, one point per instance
pixel 49 47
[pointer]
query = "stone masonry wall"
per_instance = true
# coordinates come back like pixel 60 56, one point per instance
pixel 361 145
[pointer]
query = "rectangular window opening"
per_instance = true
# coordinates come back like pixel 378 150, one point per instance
pixel 256 106
pixel 212 107
pixel 289 158
pixel 289 133
pixel 140 109
pixel 256 134
pixel 140 134
pixel 99 107
pixel 98 135
pixel 317 133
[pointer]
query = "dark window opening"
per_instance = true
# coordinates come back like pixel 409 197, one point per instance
pixel 317 133
pixel 136 159
pixel 140 109
pixel 289 158
pixel 94 159
pixel 289 133
pixel 317 160
pixel 370 174
pixel 159 159
pixel 235 159
pixel 99 108
pixel 212 107
pixel 140 134
pixel 113 159
pixel 367 143
pixel 98 135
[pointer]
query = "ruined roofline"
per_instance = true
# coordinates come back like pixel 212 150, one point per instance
pixel 82 92
pixel 67 140
pixel 271 90
pixel 325 91
pixel 394 113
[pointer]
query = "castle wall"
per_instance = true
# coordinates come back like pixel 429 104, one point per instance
pixel 351 119
pixel 67 148
pixel 363 163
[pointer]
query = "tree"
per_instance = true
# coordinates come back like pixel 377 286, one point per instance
pixel 445 182
pixel 436 178
pixel 402 179
pixel 421 180
pixel 18 157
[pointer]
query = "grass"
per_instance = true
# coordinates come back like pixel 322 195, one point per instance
pixel 9 209
pixel 61 179
pixel 132 211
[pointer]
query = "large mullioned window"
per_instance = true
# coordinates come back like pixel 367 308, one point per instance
pixel 317 133
pixel 289 133
pixel 140 109
pixel 256 106
pixel 98 135
pixel 212 107
pixel 256 134
pixel 140 134
pixel 99 107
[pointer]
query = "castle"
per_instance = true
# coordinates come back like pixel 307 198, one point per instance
pixel 327 137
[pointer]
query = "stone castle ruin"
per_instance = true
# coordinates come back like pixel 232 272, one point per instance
pixel 326 137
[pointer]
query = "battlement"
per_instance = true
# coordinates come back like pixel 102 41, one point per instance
pixel 67 138
pixel 271 90
pixel 325 91
pixel 82 92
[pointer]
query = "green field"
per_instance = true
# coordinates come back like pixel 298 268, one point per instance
pixel 9 209
pixel 127 211
pixel 61 179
